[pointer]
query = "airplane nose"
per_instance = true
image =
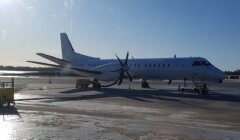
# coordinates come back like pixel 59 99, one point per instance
pixel 220 75
pixel 217 74
pixel 224 76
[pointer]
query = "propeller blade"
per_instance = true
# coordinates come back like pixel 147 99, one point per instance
pixel 121 78
pixel 124 68
pixel 129 76
pixel 114 83
pixel 126 60
pixel 120 81
pixel 119 60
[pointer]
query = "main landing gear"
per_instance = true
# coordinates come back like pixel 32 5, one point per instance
pixel 96 84
pixel 145 84
pixel 200 88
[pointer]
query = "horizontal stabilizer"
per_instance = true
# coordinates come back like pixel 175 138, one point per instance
pixel 54 59
pixel 45 64
pixel 82 71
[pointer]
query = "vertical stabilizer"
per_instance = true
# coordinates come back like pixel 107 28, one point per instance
pixel 67 49
pixel 68 52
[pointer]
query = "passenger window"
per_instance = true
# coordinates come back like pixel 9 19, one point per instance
pixel 145 65
pixel 134 65
pixel 168 65
pixel 150 65
pixel 163 65
pixel 159 65
pixel 154 65
pixel 138 65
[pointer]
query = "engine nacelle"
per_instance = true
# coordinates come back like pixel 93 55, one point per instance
pixel 108 72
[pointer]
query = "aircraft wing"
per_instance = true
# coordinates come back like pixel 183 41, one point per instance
pixel 75 69
pixel 59 61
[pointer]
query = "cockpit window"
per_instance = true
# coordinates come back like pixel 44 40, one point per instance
pixel 206 63
pixel 196 63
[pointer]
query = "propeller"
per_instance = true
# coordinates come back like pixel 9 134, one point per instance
pixel 124 68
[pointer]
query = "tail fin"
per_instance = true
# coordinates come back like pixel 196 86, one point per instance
pixel 68 52
pixel 67 49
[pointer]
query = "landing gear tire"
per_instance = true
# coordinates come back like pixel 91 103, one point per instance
pixel 145 84
pixel 96 85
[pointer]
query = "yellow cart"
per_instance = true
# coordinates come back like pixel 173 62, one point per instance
pixel 7 93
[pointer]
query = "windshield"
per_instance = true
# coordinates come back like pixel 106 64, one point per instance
pixel 201 63
pixel 196 63
pixel 206 63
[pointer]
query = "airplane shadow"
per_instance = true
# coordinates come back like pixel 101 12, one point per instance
pixel 111 92
pixel 5 111
pixel 148 95
pixel 76 90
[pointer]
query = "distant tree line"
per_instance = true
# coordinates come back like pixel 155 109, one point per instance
pixel 24 68
pixel 236 72
pixel 35 71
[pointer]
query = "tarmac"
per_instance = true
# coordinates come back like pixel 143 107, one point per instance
pixel 60 111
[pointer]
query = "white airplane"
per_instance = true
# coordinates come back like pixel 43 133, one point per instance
pixel 189 68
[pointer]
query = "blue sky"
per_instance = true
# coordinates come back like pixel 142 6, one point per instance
pixel 145 28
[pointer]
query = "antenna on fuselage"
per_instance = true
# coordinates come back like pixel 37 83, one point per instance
pixel 174 56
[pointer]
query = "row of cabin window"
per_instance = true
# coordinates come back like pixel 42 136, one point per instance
pixel 135 65
pixel 92 65
pixel 151 65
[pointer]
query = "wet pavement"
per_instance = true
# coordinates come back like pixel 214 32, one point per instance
pixel 59 111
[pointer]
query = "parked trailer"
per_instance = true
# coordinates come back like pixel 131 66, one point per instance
pixel 233 76
pixel 83 83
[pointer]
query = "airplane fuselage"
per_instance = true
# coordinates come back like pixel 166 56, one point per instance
pixel 160 68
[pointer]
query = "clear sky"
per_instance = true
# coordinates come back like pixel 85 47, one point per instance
pixel 145 28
